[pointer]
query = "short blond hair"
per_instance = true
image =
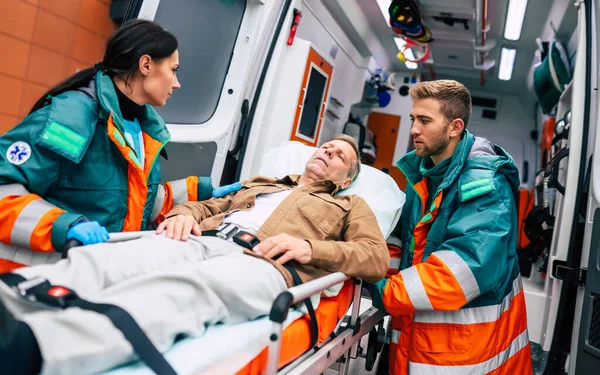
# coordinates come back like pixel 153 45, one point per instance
pixel 355 166
pixel 454 97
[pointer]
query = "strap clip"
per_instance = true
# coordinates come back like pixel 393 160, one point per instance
pixel 40 290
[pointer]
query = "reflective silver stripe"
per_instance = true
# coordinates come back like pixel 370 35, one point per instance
pixel 179 191
pixel 473 315
pixel 481 368
pixel 158 202
pixel 26 256
pixel 395 336
pixel 12 189
pixel 462 273
pixel 415 289
pixel 394 263
pixel 27 220
pixel 393 240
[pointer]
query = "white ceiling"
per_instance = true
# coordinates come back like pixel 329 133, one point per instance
pixel 453 46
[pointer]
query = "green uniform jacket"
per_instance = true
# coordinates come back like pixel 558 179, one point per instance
pixel 69 160
pixel 457 300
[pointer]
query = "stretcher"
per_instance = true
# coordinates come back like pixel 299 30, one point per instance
pixel 278 343
pixel 281 342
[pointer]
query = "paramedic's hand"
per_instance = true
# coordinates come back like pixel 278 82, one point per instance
pixel 287 246
pixel 179 227
pixel 222 191
pixel 376 291
pixel 88 233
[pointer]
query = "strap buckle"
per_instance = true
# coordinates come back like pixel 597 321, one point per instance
pixel 231 232
pixel 40 290
pixel 226 231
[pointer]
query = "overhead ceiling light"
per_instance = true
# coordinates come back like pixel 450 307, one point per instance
pixel 407 53
pixel 384 6
pixel 400 43
pixel 507 61
pixel 411 65
pixel 514 19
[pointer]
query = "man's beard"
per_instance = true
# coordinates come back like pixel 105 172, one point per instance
pixel 437 145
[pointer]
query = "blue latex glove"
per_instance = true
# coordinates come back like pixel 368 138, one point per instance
pixel 222 191
pixel 376 291
pixel 88 233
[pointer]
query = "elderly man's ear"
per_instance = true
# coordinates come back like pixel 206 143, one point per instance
pixel 346 183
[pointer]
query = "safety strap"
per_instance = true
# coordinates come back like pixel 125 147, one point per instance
pixel 41 290
pixel 248 240
pixel 314 325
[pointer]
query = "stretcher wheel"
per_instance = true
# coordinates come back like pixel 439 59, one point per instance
pixel 376 341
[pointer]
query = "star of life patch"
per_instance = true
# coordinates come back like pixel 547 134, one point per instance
pixel 18 153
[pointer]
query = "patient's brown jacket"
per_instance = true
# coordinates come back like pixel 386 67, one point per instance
pixel 341 229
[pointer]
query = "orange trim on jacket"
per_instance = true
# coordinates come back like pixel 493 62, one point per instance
pixel 12 207
pixel 136 177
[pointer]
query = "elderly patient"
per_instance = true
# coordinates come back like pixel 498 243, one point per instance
pixel 171 285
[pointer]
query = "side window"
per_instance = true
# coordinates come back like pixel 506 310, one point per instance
pixel 207 31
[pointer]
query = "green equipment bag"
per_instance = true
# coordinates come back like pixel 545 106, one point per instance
pixel 551 77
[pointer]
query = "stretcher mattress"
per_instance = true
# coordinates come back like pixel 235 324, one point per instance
pixel 243 348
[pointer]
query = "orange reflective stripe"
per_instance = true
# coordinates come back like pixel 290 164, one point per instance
pixel 9 266
pixel 442 288
pixel 395 257
pixel 42 234
pixel 468 344
pixel 519 363
pixel 395 297
pixel 192 188
pixel 12 206
pixel 167 202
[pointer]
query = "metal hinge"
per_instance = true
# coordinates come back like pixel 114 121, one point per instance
pixel 562 271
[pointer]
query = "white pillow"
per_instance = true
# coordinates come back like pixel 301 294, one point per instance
pixel 378 189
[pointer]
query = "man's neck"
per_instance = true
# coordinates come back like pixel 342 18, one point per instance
pixel 307 178
pixel 448 152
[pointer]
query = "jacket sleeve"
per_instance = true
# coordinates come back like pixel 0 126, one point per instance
pixel 173 193
pixel 361 253
pixel 27 219
pixel 473 259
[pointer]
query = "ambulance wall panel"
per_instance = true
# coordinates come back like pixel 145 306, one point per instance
pixel 511 131
pixel 400 106
pixel 348 78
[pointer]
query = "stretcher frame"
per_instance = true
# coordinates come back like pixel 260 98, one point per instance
pixel 343 341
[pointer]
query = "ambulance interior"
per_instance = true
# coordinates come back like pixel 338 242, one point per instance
pixel 257 74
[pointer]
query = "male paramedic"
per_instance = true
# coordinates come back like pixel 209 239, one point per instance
pixel 171 285
pixel 456 299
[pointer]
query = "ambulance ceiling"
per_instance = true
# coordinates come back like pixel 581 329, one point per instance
pixel 453 50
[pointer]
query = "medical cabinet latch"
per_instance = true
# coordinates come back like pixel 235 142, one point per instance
pixel 562 271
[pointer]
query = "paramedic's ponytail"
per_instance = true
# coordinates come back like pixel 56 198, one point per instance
pixel 124 49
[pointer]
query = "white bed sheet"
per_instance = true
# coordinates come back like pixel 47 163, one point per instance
pixel 223 349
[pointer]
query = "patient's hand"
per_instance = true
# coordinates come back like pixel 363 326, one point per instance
pixel 179 227
pixel 289 247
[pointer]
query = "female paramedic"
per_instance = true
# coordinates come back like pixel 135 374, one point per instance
pixel 85 160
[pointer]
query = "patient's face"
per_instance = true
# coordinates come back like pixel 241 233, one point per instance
pixel 332 161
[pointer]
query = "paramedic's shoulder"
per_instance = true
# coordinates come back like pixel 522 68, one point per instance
pixel 68 123
pixel 362 251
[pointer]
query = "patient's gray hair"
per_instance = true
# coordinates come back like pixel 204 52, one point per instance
pixel 355 166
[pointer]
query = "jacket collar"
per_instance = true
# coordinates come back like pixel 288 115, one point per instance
pixel 151 122
pixel 325 186
pixel 410 164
